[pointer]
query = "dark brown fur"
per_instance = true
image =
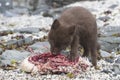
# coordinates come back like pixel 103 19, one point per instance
pixel 75 26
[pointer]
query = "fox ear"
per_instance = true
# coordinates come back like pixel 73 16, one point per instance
pixel 55 24
pixel 71 30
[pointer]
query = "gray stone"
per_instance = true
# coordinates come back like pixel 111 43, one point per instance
pixel 20 42
pixel 104 54
pixel 105 18
pixel 60 3
pixel 2 6
pixel 33 4
pixel 113 6
pixel 9 4
pixel 27 30
pixel 14 54
pixel 16 11
pixel 110 30
pixel 112 40
pixel 106 46
pixel 117 60
pixel 41 47
pixel 11 43
pixel 106 71
pixel 116 68
pixel 28 40
pixel 5 5
pixel 10 55
pixel 110 60
pixel 116 65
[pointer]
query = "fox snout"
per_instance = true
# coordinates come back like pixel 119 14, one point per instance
pixel 55 51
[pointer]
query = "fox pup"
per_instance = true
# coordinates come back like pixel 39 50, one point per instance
pixel 76 26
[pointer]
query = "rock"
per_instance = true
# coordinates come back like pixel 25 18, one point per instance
pixel 55 13
pixel 28 30
pixel 116 65
pixel 104 54
pixel 5 5
pixel 28 40
pixel 60 3
pixel 117 60
pixel 20 42
pixel 32 4
pixel 11 44
pixel 113 6
pixel 111 31
pixel 10 55
pixel 40 47
pixel 116 68
pixel 37 6
pixel 14 54
pixel 106 71
pixel 5 63
pixel 104 18
pixel 110 60
pixel 109 47
pixel 16 12
pixel 114 40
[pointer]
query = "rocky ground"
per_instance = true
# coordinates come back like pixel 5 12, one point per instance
pixel 22 30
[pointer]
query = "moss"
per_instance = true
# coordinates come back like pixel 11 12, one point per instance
pixel 118 52
pixel 116 35
pixel 13 61
pixel 70 75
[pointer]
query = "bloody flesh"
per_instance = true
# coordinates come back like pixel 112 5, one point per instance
pixel 56 63
pixel 55 60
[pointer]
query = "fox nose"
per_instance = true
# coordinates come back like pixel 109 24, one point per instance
pixel 55 51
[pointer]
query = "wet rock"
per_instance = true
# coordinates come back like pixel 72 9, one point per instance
pixel 5 63
pixel 109 47
pixel 106 71
pixel 10 55
pixel 37 6
pixel 14 54
pixel 55 13
pixel 40 47
pixel 11 44
pixel 116 68
pixel 5 5
pixel 104 54
pixel 16 12
pixel 60 3
pixel 116 65
pixel 32 4
pixel 20 42
pixel 111 31
pixel 112 40
pixel 28 30
pixel 104 18
pixel 113 6
pixel 117 60
pixel 110 60
pixel 28 40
